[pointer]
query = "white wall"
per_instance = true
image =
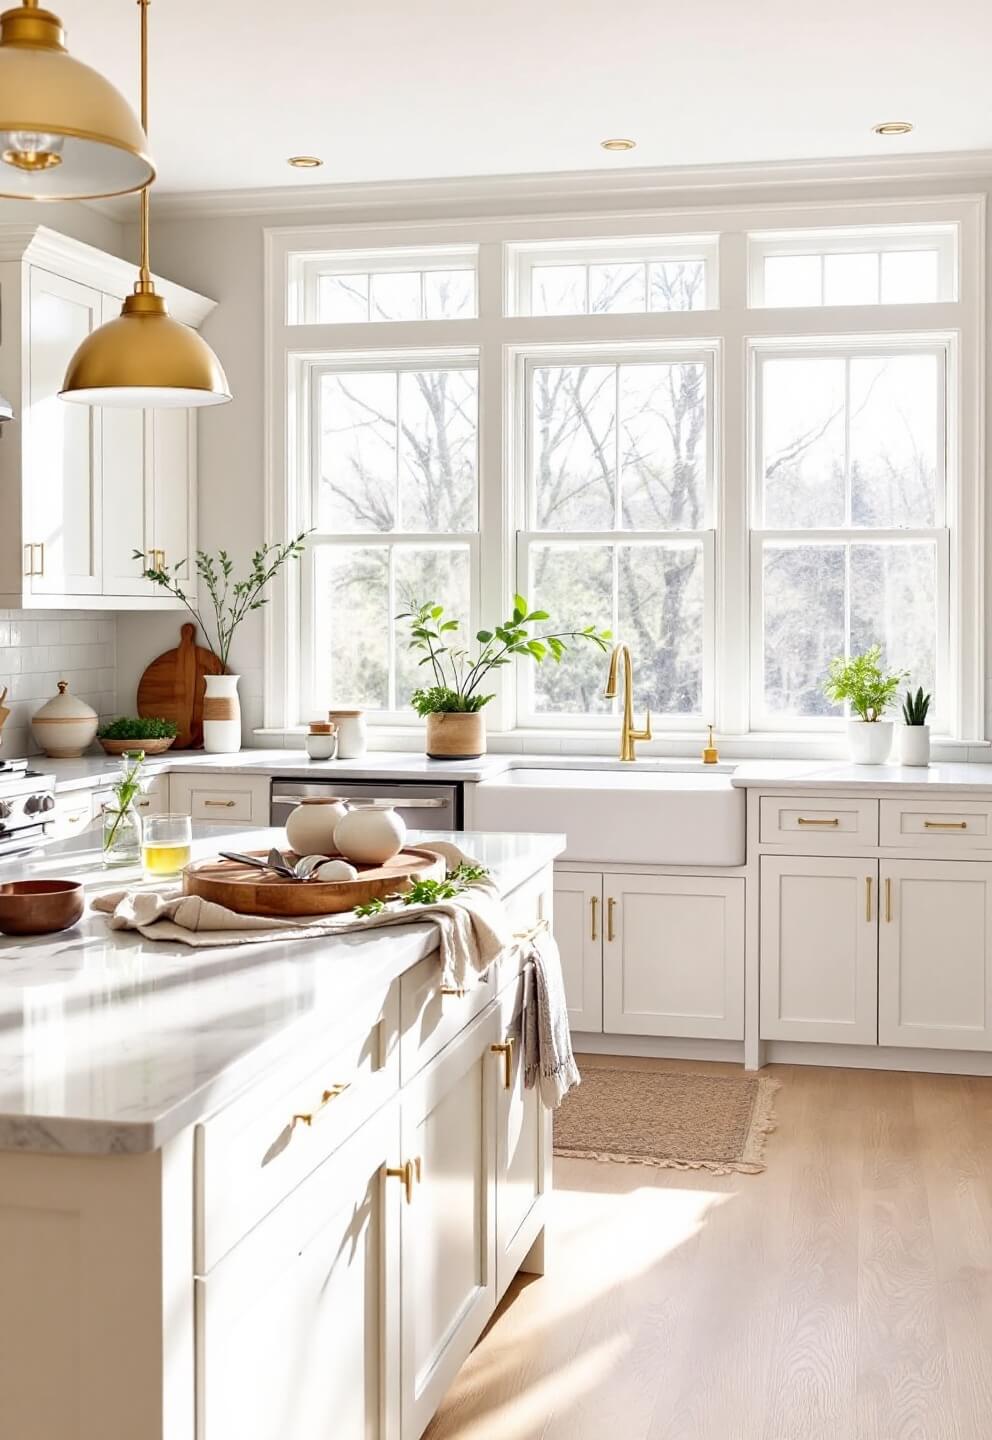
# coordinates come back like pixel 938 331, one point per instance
pixel 222 256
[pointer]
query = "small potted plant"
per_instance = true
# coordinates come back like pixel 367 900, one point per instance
pixel 137 732
pixel 869 690
pixel 914 735
pixel 453 705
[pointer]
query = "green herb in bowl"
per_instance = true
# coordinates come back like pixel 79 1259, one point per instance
pixel 137 732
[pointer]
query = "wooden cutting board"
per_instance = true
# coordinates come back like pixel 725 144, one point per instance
pixel 172 688
pixel 248 891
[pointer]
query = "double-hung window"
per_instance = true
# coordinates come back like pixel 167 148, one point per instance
pixel 619 524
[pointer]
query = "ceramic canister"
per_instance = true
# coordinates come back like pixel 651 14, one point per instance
pixel 351 732
pixel 64 725
pixel 310 827
pixel 370 834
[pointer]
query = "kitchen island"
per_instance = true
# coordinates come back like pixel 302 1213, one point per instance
pixel 257 1191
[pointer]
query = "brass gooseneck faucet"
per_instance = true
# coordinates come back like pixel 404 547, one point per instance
pixel 627 732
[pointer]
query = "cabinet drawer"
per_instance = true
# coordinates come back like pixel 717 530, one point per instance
pixel 429 1018
pixel 938 826
pixel 818 824
pixel 251 1154
pixel 72 814
pixel 240 800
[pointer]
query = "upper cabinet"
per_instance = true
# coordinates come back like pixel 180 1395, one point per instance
pixel 83 488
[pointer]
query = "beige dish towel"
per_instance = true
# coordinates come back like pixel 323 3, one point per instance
pixel 472 927
pixel 548 1058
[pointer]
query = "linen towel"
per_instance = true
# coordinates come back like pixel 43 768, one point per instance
pixel 548 1058
pixel 472 928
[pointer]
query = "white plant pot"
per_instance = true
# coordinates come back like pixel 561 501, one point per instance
pixel 221 715
pixel 870 742
pixel 914 744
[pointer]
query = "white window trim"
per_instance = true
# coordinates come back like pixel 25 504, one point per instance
pixel 523 260
pixel 498 335
pixel 840 240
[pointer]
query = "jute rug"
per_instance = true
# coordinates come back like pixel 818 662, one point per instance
pixel 681 1121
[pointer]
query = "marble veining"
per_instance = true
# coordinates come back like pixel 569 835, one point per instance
pixel 110 1043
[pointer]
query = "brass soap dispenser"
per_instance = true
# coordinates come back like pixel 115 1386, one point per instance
pixel 710 753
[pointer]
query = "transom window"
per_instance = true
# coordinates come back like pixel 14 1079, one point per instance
pixel 630 277
pixel 894 265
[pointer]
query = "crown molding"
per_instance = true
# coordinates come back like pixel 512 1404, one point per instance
pixel 474 194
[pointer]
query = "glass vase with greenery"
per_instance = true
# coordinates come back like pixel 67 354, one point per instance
pixel 232 600
pixel 459 675
pixel 121 822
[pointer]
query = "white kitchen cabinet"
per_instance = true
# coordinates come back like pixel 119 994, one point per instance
pixel 82 488
pixel 673 956
pixel 221 799
pixel 448 1270
pixel 297 1327
pixel 523 1144
pixel 819 949
pixel 935 954
pixel 579 933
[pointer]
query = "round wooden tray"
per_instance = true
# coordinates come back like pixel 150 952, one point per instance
pixel 253 892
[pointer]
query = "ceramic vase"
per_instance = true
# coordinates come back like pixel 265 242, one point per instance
pixel 456 736
pixel 869 741
pixel 914 744
pixel 352 734
pixel 65 725
pixel 310 827
pixel 221 715
pixel 370 835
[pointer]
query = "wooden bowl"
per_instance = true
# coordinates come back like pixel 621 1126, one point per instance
pixel 39 907
pixel 150 747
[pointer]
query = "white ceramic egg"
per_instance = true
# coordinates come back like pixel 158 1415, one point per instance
pixel 336 870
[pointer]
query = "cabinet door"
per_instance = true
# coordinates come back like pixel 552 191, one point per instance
pixel 297 1328
pixel 62 460
pixel 819 950
pixel 935 954
pixel 523 1145
pixel 448 1227
pixel 579 933
pixel 673 956
pixel 173 466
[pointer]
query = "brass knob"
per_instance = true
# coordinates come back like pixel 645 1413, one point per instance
pixel 410 1173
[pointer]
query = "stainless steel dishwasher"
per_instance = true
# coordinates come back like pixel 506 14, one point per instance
pixel 422 807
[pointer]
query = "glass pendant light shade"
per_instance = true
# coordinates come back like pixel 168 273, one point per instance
pixel 65 132
pixel 145 358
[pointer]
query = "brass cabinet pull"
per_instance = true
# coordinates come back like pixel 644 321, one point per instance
pixel 593 907
pixel 945 824
pixel 888 901
pixel 220 804
pixel 611 906
pixel 28 559
pixel 506 1050
pixel 456 990
pixel 307 1117
pixel 802 820
pixel 411 1174
pixel 867 897
pixel 41 561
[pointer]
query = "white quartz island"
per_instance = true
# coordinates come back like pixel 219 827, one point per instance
pixel 228 1175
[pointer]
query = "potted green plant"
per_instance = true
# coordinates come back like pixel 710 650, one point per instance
pixel 914 734
pixel 232 601
pixel 862 683
pixel 453 706
pixel 137 732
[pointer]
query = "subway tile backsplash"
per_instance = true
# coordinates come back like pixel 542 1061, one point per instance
pixel 38 649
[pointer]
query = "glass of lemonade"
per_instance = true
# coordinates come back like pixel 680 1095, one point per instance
pixel 166 844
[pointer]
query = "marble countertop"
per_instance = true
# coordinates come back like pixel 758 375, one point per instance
pixel 936 778
pixel 110 1043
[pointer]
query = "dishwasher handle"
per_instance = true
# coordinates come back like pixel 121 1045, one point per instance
pixel 395 802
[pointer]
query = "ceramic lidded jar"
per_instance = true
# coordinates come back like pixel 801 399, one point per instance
pixel 65 725
pixel 351 729
pixel 370 834
pixel 310 827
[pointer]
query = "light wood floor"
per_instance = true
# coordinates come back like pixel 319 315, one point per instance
pixel 845 1294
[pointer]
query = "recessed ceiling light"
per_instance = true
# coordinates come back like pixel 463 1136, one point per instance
pixel 893 127
pixel 304 162
pixel 618 144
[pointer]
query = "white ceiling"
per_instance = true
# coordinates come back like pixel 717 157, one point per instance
pixel 416 89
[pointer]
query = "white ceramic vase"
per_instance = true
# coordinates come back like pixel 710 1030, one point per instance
pixel 370 835
pixel 870 742
pixel 914 744
pixel 310 827
pixel 64 725
pixel 221 715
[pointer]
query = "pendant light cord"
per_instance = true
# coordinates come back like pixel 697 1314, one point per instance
pixel 144 273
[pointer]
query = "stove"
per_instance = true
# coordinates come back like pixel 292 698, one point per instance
pixel 27 803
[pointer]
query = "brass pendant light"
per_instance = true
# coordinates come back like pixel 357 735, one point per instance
pixel 144 357
pixel 65 132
